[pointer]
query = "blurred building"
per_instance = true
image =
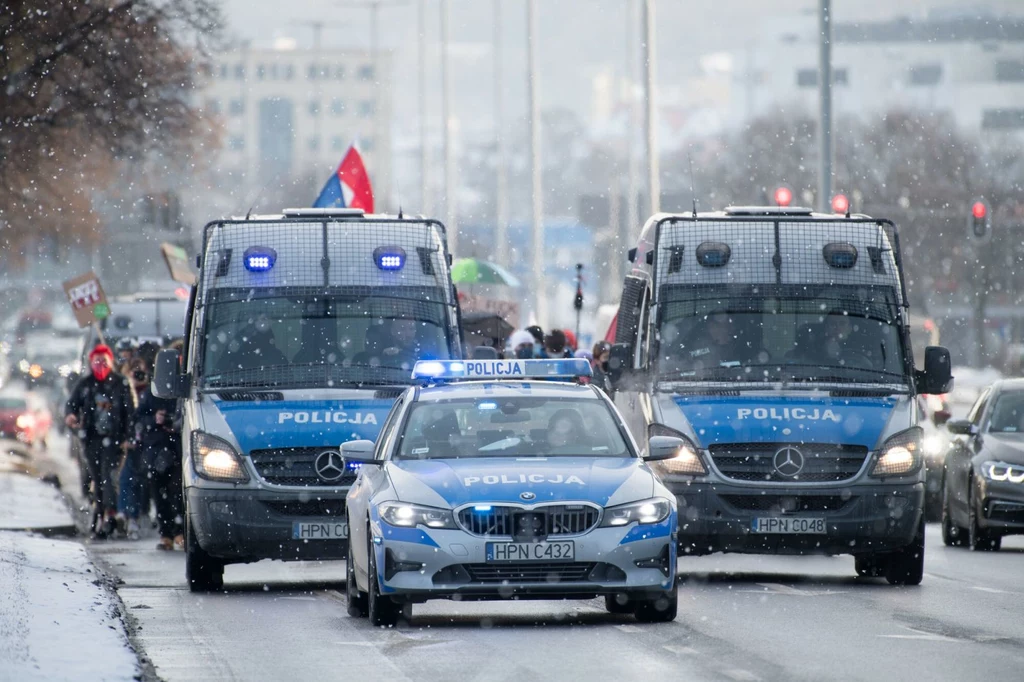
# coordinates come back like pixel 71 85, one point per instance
pixel 289 114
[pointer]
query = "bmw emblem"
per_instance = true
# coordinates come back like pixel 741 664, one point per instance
pixel 527 496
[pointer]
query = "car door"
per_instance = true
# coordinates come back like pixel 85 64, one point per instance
pixel 959 464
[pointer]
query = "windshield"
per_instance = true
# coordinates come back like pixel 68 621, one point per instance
pixel 1008 414
pixel 512 427
pixel 806 333
pixel 314 339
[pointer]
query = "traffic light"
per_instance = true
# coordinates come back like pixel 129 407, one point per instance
pixel 979 221
pixel 783 196
pixel 840 204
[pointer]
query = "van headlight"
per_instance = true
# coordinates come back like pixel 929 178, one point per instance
pixel 687 462
pixel 644 512
pixel 216 460
pixel 899 455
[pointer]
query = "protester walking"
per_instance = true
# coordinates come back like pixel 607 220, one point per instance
pixel 160 445
pixel 99 409
pixel 131 500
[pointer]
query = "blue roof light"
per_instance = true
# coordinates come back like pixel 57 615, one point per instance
pixel 453 370
pixel 259 258
pixel 389 257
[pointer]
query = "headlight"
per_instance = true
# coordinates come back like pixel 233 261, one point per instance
pixel 1001 471
pixel 899 455
pixel 412 515
pixel 216 460
pixel 687 462
pixel 643 512
pixel 933 446
pixel 25 421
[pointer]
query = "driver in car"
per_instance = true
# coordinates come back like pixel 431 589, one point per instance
pixel 715 343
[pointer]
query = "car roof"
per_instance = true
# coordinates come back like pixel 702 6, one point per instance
pixel 498 389
pixel 1005 385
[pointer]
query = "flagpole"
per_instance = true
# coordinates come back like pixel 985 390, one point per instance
pixel 501 176
pixel 540 286
pixel 425 199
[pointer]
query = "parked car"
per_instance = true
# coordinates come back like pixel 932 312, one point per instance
pixel 25 418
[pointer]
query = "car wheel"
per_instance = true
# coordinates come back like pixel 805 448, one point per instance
pixel 869 565
pixel 203 572
pixel 357 606
pixel 906 566
pixel 619 604
pixel 659 609
pixel 978 539
pixel 952 534
pixel 383 611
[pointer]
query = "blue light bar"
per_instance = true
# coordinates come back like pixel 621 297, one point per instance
pixel 259 258
pixel 389 257
pixel 454 370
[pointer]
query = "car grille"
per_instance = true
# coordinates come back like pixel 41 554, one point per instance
pixel 755 461
pixel 309 508
pixel 294 466
pixel 562 519
pixel 529 572
pixel 788 503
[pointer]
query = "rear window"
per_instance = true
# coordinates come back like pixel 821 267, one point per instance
pixel 13 404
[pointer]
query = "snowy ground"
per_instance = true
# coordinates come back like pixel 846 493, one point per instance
pixel 26 503
pixel 58 620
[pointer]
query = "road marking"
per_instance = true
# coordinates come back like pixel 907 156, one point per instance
pixel 630 628
pixel 741 675
pixel 778 588
pixel 682 650
pixel 988 589
pixel 923 636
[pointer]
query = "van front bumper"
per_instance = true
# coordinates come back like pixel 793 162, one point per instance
pixel 859 519
pixel 246 525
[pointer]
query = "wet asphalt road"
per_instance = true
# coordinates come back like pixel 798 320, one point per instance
pixel 741 618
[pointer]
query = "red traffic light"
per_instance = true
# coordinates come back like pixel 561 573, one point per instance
pixel 783 196
pixel 840 204
pixel 979 210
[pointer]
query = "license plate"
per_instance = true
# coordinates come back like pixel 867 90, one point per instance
pixel 789 525
pixel 319 530
pixel 531 551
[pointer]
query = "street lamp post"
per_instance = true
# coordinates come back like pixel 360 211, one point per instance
pixel 825 90
pixel 540 288
pixel 501 173
pixel 650 106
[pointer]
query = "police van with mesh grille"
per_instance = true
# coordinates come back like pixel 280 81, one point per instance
pixel 302 330
pixel 776 344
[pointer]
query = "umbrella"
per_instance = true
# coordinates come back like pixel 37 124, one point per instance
pixel 473 271
pixel 488 325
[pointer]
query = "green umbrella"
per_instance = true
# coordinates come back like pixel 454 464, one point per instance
pixel 473 271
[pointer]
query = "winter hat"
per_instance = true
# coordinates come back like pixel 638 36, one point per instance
pixel 519 338
pixel 101 349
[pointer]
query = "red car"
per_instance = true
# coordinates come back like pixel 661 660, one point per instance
pixel 24 419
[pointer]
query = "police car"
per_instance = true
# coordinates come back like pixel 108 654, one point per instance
pixel 508 479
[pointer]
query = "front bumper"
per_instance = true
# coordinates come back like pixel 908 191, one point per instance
pixel 1002 506
pixel 249 525
pixel 718 517
pixel 415 565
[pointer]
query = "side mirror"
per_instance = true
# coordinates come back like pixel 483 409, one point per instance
pixel 359 452
pixel 620 362
pixel 960 427
pixel 168 381
pixel 937 376
pixel 940 417
pixel 662 447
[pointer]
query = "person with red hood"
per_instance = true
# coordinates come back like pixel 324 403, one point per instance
pixel 100 411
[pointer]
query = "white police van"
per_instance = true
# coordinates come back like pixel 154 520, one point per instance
pixel 303 329
pixel 776 343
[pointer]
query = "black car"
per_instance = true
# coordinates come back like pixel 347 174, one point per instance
pixel 983 490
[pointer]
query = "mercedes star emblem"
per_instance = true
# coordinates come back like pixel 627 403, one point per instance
pixel 527 495
pixel 788 461
pixel 329 466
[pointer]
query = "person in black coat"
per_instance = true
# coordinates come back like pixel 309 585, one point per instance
pixel 100 410
pixel 159 437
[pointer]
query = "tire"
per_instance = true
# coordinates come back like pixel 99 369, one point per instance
pixel 383 612
pixel 619 604
pixel 906 566
pixel 660 609
pixel 869 565
pixel 357 604
pixel 203 572
pixel 979 539
pixel 952 534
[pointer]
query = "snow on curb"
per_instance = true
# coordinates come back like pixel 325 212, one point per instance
pixel 59 620
pixel 27 503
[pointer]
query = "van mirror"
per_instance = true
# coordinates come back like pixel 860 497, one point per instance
pixel 937 376
pixel 662 447
pixel 168 380
pixel 960 427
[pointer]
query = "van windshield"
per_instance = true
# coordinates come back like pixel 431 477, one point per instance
pixel 824 333
pixel 300 338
